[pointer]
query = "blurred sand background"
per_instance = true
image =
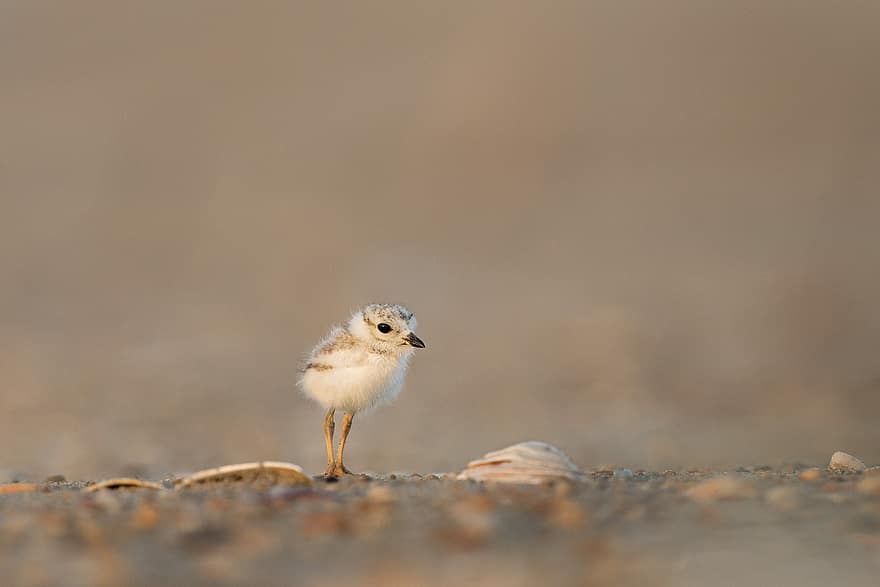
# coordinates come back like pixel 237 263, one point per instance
pixel 645 232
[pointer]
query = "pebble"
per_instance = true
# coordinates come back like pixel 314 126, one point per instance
pixel 720 488
pixel 811 474
pixel 784 498
pixel 567 514
pixel 473 523
pixel 846 462
pixel 625 474
pixel 146 516
pixel 833 487
pixel 315 524
pixel 869 485
pixel 380 494
pixel 837 498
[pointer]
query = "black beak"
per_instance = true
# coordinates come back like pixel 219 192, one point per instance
pixel 414 340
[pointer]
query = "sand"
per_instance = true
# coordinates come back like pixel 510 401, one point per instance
pixel 791 525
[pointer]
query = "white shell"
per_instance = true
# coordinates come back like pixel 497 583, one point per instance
pixel 265 473
pixel 526 462
pixel 846 462
pixel 122 483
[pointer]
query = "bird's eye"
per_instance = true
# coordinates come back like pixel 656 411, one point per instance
pixel 384 328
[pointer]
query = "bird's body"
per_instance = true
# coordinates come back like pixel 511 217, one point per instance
pixel 344 374
pixel 359 366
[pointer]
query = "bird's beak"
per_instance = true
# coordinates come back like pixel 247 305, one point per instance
pixel 414 340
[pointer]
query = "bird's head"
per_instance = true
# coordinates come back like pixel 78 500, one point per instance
pixel 389 327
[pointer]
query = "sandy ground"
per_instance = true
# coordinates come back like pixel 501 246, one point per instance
pixel 780 526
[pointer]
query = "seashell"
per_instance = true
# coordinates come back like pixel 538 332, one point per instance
pixel 845 462
pixel 122 483
pixel 526 462
pixel 262 474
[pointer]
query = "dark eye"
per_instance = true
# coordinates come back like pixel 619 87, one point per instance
pixel 384 328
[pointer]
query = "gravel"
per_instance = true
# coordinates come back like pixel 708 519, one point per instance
pixel 691 526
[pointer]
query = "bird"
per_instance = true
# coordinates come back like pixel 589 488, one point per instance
pixel 357 367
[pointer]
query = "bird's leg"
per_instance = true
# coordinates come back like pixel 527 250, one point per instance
pixel 346 428
pixel 329 426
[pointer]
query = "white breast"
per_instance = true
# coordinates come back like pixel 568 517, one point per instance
pixel 356 380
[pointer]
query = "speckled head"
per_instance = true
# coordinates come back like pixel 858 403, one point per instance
pixel 391 327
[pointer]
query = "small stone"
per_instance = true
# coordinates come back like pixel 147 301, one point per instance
pixel 55 479
pixel 869 485
pixel 784 498
pixel 280 494
pixel 562 488
pixel 845 462
pixel 316 524
pixel 443 476
pixel 145 516
pixel 472 523
pixel 372 514
pixel 105 501
pixel 867 540
pixel 811 474
pixel 720 488
pixel 625 474
pixel 90 531
pixel 380 494
pixel 635 512
pixel 467 505
pixel 837 498
pixel 567 514
pixel 833 487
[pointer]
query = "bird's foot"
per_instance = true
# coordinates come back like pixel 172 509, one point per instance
pixel 335 471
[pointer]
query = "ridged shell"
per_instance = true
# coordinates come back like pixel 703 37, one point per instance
pixel 526 462
pixel 262 474
pixel 122 483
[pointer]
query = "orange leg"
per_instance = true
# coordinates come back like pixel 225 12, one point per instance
pixel 346 428
pixel 329 427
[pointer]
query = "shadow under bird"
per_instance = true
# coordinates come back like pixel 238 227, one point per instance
pixel 357 367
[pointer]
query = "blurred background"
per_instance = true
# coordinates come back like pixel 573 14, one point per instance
pixel 645 232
